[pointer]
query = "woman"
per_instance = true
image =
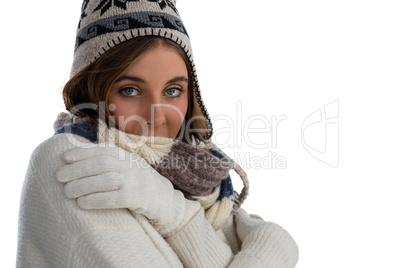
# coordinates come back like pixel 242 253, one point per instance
pixel 88 203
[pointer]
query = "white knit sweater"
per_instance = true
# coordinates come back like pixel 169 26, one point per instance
pixel 55 232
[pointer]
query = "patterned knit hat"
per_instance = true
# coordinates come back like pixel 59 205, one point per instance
pixel 107 23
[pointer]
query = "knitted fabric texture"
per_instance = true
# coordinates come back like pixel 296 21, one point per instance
pixel 200 174
pixel 107 23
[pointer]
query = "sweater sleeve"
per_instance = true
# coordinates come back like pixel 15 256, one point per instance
pixel 198 245
pixel 54 232
pixel 247 243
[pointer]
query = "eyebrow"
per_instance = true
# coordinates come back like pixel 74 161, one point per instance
pixel 178 79
pixel 132 78
pixel 139 80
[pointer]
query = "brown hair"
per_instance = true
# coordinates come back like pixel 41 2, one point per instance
pixel 83 93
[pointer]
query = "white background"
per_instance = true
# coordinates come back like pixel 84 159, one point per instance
pixel 274 58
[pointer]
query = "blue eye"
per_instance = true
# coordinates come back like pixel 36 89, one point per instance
pixel 130 91
pixel 173 92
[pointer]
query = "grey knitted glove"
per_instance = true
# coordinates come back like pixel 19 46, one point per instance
pixel 107 177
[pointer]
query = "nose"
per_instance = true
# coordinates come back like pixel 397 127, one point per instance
pixel 154 114
pixel 157 117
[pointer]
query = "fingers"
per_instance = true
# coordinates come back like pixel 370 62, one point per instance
pixel 89 167
pixel 105 200
pixel 241 213
pixel 91 185
pixel 78 154
pixel 243 218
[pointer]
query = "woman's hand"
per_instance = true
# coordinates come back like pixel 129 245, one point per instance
pixel 245 223
pixel 107 177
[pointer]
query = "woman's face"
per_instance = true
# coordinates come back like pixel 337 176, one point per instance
pixel 150 97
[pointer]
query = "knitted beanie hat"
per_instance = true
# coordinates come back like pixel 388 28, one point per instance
pixel 107 23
